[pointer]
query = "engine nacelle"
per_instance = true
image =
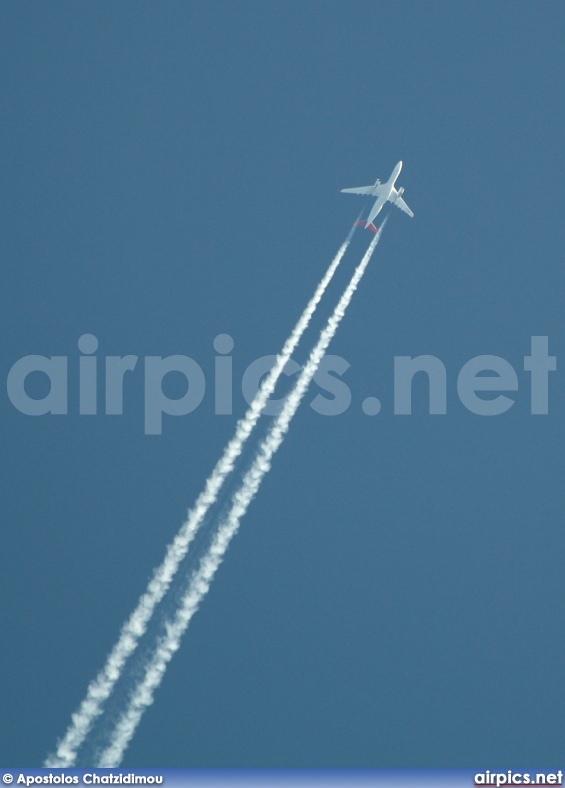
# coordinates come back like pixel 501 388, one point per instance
pixel 401 191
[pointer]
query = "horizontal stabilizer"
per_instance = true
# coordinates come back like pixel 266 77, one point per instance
pixel 370 226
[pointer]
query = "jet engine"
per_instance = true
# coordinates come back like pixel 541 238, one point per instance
pixel 401 191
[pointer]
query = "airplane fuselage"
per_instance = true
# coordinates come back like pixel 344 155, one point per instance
pixel 387 190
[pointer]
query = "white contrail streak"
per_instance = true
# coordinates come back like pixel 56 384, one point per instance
pixel 142 696
pixel 101 687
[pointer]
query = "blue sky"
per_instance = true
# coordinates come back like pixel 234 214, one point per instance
pixel 171 172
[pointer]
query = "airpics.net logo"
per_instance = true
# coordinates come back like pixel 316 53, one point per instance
pixel 39 385
pixel 509 777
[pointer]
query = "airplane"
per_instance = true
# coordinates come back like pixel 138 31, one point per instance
pixel 383 192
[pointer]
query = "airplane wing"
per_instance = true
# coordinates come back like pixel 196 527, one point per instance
pixel 399 202
pixel 362 190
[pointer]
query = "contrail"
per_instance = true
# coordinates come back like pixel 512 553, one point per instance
pixel 101 687
pixel 142 696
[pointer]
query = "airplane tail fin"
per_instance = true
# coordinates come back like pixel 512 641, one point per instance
pixel 370 226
